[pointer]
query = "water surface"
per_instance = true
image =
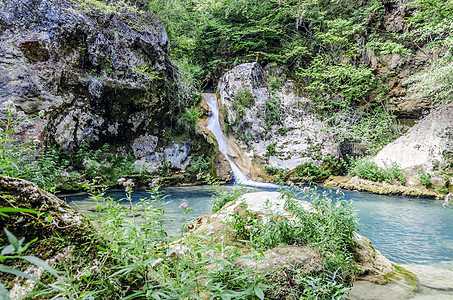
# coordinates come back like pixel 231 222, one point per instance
pixel 405 230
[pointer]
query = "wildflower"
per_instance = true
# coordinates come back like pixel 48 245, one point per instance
pixel 338 205
pixel 338 191
pixel 184 205
pixel 306 189
pixel 329 201
pixel 121 180
pixel 248 227
pixel 10 106
pixel 325 184
pixel 157 262
pixel 154 183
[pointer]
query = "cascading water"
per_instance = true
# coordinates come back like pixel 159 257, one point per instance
pixel 216 129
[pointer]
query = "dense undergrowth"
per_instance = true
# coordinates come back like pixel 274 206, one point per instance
pixel 22 155
pixel 138 261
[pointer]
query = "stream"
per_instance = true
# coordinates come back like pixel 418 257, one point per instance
pixel 405 230
pixel 417 233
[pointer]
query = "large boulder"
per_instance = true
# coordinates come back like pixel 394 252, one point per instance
pixel 371 264
pixel 54 218
pixel 428 146
pixel 100 72
pixel 270 119
pixel 58 230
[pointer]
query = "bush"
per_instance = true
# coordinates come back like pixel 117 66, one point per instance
pixel 425 178
pixel 201 163
pixel 271 149
pixel 309 172
pixel 368 169
pixel 245 97
pixel 272 116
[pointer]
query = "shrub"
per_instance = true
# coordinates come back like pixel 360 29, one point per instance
pixel 271 149
pixel 309 172
pixel 368 169
pixel 191 116
pixel 425 178
pixel 201 163
pixel 272 116
pixel 245 97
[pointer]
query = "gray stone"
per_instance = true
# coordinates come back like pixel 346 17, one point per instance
pixel 101 76
pixel 298 134
pixel 424 147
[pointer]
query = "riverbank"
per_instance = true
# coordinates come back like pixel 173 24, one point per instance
pixel 355 183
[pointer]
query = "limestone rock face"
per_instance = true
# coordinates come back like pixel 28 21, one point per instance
pixel 427 146
pixel 100 74
pixel 395 69
pixel 263 117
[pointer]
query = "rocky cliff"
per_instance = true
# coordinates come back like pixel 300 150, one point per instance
pixel 100 72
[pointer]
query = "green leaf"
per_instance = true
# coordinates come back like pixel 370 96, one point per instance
pixel 8 250
pixel 12 240
pixel 40 263
pixel 4 292
pixel 259 292
pixel 6 269
pixel 14 209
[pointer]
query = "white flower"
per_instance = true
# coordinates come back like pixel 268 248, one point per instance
pixel 9 105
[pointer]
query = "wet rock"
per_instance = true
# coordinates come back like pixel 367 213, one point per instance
pixel 58 228
pixel 101 73
pixel 54 214
pixel 365 185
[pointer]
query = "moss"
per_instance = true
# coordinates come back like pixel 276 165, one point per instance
pixel 402 276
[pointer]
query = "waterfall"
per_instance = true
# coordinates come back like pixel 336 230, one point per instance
pixel 216 129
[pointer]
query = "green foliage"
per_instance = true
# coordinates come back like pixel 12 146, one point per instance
pixel 371 126
pixel 310 172
pixel 191 116
pixel 200 164
pixel 329 227
pixel 328 285
pixel 368 169
pixel 106 7
pixel 245 97
pixel 272 116
pixel 278 173
pixel 274 84
pixel 271 149
pixel 425 178
pixel 50 168
pixel 432 24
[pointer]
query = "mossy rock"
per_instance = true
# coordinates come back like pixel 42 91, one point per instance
pixel 56 225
